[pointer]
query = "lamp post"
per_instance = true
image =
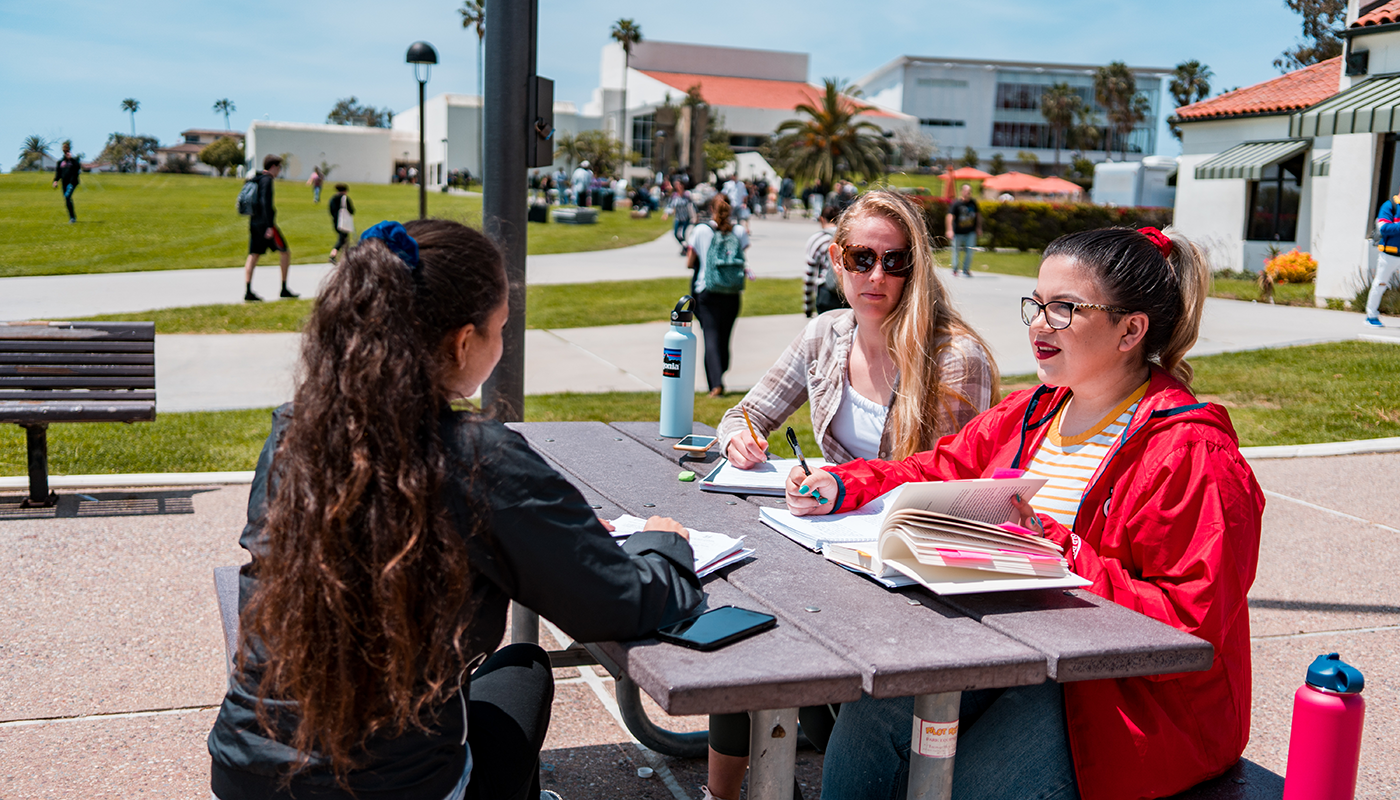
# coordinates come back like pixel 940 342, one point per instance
pixel 422 56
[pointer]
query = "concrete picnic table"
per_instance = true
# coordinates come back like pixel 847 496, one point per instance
pixel 840 634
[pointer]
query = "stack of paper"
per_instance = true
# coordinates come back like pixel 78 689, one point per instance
pixel 766 479
pixel 713 551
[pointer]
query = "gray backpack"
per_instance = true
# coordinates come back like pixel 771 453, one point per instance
pixel 248 197
pixel 724 264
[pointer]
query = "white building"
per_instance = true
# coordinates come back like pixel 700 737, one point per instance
pixel 994 106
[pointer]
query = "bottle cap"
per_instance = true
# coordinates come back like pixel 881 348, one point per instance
pixel 1331 674
pixel 681 315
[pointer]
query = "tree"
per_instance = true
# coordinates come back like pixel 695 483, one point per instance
pixel 133 105
pixel 474 16
pixel 1115 88
pixel 627 33
pixel 179 164
pixel 1086 133
pixel 1190 84
pixel 914 146
pixel 124 151
pixel 1321 19
pixel 224 106
pixel 716 145
pixel 324 169
pixel 969 158
pixel 32 153
pixel 997 165
pixel 832 143
pixel 566 146
pixel 604 154
pixel 1059 104
pixel 223 154
pixel 348 111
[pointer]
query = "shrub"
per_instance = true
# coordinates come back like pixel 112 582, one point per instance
pixel 179 164
pixel 1292 267
pixel 1032 226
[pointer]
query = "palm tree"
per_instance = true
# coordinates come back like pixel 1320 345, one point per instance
pixel 474 16
pixel 567 147
pixel 1059 104
pixel 1190 84
pixel 1085 133
pixel 1115 88
pixel 832 143
pixel 33 152
pixel 224 106
pixel 133 105
pixel 627 33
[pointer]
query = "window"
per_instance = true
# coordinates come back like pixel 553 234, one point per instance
pixel 1021 134
pixel 643 133
pixel 744 144
pixel 945 83
pixel 1018 96
pixel 1273 202
pixel 191 138
pixel 944 123
pixel 1389 184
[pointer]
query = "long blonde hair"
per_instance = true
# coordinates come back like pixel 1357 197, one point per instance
pixel 921 326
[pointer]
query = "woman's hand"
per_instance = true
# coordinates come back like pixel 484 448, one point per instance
pixel 1026 517
pixel 744 452
pixel 666 524
pixel 607 526
pixel 811 495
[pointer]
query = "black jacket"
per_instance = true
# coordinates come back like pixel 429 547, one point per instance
pixel 68 170
pixel 264 214
pixel 545 549
pixel 334 205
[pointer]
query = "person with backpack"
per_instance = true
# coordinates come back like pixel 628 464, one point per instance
pixel 343 223
pixel 682 211
pixel 886 378
pixel 717 256
pixel 263 234
pixel 67 173
pixel 822 286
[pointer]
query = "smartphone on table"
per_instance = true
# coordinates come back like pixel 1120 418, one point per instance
pixel 716 628
pixel 695 443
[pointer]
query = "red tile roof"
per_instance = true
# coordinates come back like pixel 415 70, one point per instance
pixel 1292 92
pixel 747 92
pixel 1385 14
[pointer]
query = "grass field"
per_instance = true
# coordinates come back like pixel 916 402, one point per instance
pixel 1320 393
pixel 154 221
pixel 555 306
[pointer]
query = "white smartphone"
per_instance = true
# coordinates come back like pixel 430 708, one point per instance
pixel 696 443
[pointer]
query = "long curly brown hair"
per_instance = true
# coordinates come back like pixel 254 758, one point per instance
pixel 363 599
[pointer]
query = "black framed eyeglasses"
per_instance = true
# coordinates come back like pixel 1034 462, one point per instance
pixel 896 263
pixel 1060 313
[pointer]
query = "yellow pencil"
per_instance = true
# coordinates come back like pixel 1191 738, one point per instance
pixel 752 432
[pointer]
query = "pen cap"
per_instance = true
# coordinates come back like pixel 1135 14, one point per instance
pixel 680 315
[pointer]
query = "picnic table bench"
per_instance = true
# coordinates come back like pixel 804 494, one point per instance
pixel 73 372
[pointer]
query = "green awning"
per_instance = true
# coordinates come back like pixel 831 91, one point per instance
pixel 1370 107
pixel 1321 163
pixel 1248 160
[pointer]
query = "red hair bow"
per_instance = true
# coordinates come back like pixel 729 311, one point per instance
pixel 1161 240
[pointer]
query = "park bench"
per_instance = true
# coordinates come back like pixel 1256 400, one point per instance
pixel 73 372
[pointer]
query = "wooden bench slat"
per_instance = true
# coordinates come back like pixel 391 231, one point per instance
pixel 63 370
pixel 95 396
pixel 79 331
pixel 76 358
pixel 41 346
pixel 41 382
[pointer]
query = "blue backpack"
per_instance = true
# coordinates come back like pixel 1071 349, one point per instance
pixel 724 264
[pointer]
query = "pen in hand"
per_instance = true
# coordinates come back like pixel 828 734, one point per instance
pixel 797 451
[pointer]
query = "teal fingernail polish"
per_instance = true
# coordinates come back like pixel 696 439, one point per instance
pixel 803 490
pixel 823 501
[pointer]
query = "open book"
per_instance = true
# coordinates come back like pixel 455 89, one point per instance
pixel 946 536
pixel 713 551
pixel 767 478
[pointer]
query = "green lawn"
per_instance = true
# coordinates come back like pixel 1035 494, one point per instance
pixel 558 306
pixel 153 221
pixel 1319 393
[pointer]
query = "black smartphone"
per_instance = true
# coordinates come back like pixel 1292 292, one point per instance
pixel 716 628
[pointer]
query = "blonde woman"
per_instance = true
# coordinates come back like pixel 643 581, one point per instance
pixel 886 379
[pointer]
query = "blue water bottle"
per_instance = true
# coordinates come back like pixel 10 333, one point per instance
pixel 678 373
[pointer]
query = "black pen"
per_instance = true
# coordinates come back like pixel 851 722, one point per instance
pixel 797 450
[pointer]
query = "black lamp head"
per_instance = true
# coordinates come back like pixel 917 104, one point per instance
pixel 421 53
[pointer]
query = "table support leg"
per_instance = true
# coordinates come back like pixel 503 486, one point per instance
pixel 772 753
pixel 934 743
pixel 524 625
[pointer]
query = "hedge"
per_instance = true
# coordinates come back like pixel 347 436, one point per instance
pixel 1032 226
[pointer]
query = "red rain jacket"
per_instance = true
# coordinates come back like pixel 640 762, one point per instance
pixel 1168 527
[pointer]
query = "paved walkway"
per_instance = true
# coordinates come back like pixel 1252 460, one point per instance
pixel 112 661
pixel 211 372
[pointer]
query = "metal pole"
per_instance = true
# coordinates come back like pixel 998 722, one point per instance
pixel 37 444
pixel 422 151
pixel 772 753
pixel 510 61
pixel 934 743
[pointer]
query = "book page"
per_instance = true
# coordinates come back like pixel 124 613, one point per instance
pixel 983 499
pixel 861 525
pixel 770 475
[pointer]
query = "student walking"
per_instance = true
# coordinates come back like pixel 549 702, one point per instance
pixel 263 234
pixel 66 174
pixel 717 256
pixel 315 182
pixel 344 223
pixel 682 212
pixel 389 532
pixel 822 290
pixel 1387 262
pixel 964 226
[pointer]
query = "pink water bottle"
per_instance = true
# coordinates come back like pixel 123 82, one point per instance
pixel 1324 749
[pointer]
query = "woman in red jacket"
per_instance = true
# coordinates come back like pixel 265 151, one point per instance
pixel 1149 496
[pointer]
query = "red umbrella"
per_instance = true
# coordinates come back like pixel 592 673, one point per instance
pixel 1013 182
pixel 967 174
pixel 1053 185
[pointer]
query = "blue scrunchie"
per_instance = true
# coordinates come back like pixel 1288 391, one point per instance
pixel 397 240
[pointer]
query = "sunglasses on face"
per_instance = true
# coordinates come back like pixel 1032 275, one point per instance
pixel 896 263
pixel 1059 313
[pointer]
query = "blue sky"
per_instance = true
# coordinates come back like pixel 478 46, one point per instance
pixel 66 66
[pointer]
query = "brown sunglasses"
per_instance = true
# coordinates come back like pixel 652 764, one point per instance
pixel 896 263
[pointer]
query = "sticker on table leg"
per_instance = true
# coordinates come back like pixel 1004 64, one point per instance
pixel 935 739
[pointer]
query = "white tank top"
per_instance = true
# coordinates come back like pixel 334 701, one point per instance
pixel 859 423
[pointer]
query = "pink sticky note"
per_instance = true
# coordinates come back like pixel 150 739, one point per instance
pixel 1003 473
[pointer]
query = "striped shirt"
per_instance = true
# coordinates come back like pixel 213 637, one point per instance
pixel 1068 462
